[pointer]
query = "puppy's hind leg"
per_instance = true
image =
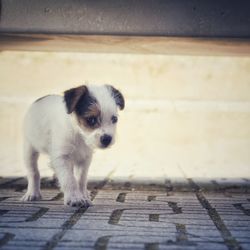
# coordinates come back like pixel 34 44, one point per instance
pixel 30 160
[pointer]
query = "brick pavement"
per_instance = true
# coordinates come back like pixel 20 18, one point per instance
pixel 184 215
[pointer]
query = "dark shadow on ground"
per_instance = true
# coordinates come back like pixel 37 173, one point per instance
pixel 241 185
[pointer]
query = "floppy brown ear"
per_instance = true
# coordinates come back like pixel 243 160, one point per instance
pixel 119 99
pixel 72 96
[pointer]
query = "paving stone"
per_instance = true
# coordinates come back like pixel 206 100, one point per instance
pixel 141 217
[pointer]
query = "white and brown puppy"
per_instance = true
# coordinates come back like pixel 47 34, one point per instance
pixel 68 128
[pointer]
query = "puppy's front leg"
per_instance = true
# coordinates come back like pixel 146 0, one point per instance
pixel 64 170
pixel 81 173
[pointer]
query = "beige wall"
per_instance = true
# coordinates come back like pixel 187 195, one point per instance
pixel 185 115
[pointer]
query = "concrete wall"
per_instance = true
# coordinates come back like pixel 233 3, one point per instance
pixel 184 115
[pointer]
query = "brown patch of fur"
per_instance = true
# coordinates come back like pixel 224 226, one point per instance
pixel 93 110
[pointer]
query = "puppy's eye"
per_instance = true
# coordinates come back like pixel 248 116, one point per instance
pixel 114 119
pixel 91 121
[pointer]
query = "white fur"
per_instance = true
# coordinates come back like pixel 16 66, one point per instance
pixel 49 129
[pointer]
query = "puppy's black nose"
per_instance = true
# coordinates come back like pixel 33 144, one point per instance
pixel 106 140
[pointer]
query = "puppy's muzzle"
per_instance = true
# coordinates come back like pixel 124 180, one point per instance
pixel 105 140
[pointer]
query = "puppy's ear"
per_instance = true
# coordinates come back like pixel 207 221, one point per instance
pixel 72 96
pixel 117 95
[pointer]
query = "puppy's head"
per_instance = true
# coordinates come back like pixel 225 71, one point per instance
pixel 95 110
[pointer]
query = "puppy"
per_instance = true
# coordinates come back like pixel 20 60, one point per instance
pixel 68 128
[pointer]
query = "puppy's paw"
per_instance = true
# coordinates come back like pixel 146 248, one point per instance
pixel 77 200
pixel 87 194
pixel 88 202
pixel 31 196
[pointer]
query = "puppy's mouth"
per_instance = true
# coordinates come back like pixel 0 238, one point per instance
pixel 105 147
pixel 101 146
